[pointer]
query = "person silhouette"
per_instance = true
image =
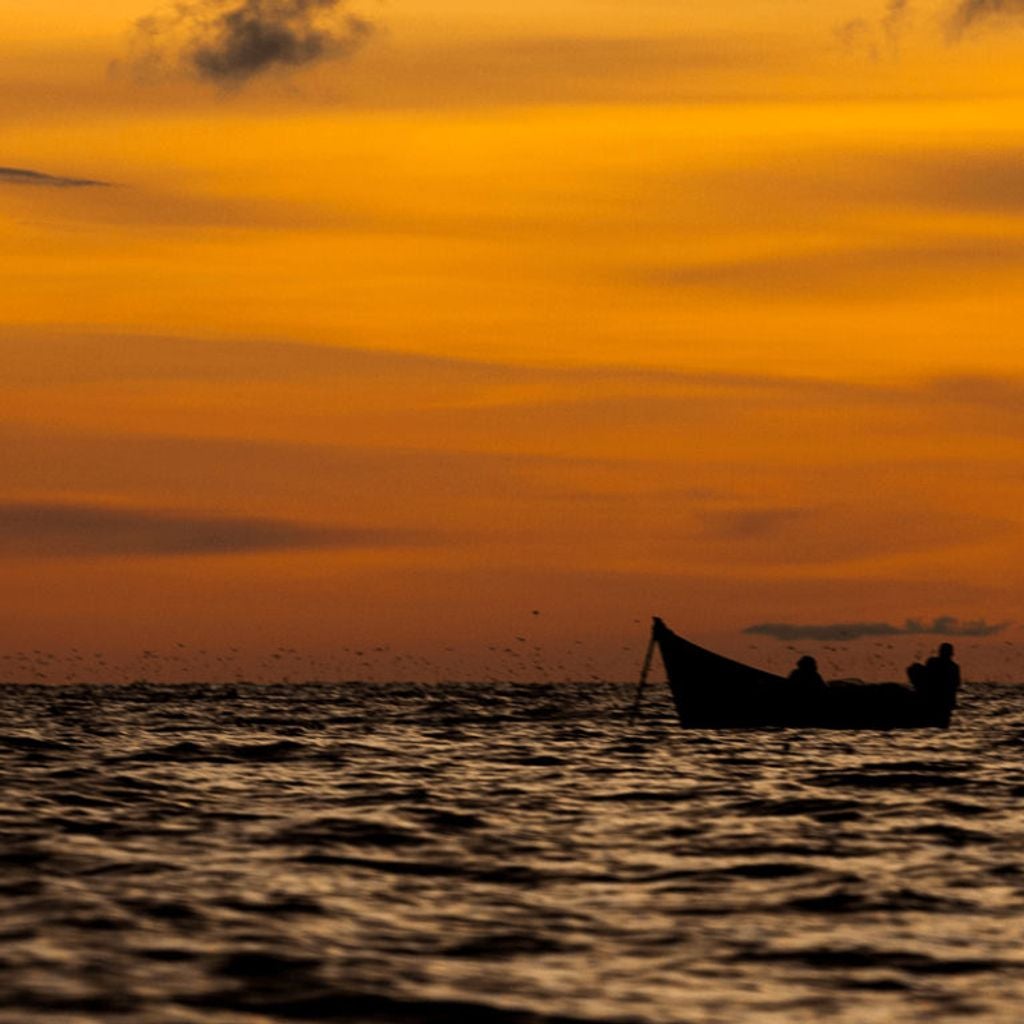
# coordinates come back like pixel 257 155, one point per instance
pixel 936 683
pixel 942 676
pixel 806 676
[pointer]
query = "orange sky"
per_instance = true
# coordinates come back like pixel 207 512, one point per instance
pixel 595 310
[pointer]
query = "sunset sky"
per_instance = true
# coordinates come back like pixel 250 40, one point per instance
pixel 331 327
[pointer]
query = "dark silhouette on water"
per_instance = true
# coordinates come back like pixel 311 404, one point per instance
pixel 714 692
pixel 805 677
pixel 937 681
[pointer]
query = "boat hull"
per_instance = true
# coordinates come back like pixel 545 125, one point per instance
pixel 714 692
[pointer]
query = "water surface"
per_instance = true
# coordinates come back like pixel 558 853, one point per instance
pixel 509 854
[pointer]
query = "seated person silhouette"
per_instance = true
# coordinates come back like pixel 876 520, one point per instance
pixel 938 679
pixel 942 676
pixel 805 677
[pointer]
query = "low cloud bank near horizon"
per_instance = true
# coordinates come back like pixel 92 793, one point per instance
pixel 22 176
pixel 233 41
pixel 943 625
pixel 56 530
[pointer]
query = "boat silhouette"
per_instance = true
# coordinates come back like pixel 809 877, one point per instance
pixel 711 691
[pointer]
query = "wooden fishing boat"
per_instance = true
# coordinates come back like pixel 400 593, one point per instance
pixel 714 692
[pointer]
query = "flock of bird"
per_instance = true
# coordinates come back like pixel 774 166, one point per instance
pixel 518 660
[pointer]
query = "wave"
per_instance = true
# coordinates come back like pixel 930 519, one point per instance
pixel 859 958
pixel 894 780
pixel 399 855
pixel 348 1006
pixel 31 744
pixel 348 832
pixel 187 751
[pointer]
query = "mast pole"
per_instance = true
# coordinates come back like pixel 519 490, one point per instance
pixel 643 679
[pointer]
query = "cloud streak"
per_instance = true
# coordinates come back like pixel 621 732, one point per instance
pixel 21 176
pixel 944 625
pixel 233 41
pixel 59 530
pixel 869 270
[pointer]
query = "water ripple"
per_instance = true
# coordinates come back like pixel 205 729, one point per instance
pixel 501 854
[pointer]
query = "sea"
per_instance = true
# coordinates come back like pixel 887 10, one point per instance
pixel 502 854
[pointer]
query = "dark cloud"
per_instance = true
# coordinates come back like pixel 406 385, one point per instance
pixel 73 530
pixel 20 176
pixel 874 37
pixel 969 13
pixel 894 17
pixel 232 41
pixel 871 36
pixel 944 625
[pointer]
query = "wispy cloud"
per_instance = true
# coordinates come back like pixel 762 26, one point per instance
pixel 944 625
pixel 21 176
pixel 748 523
pixel 232 41
pixel 52 529
pixel 867 270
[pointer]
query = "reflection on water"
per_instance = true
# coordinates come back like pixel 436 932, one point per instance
pixel 509 854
